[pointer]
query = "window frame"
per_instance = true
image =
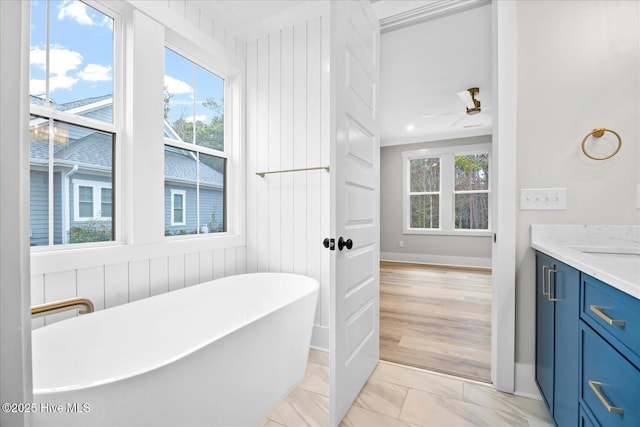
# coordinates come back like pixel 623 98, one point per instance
pixel 201 58
pixel 447 192
pixel 96 187
pixel 183 194
pixel 115 128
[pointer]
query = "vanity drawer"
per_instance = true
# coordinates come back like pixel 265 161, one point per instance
pixel 613 314
pixel 585 421
pixel 610 384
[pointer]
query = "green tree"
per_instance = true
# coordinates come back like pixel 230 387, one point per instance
pixel 167 102
pixel 207 134
pixel 472 174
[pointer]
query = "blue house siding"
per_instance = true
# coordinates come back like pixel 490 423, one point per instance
pixel 39 197
pixel 211 209
pixel 57 208
pixel 211 202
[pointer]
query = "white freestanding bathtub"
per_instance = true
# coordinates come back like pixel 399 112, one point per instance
pixel 221 353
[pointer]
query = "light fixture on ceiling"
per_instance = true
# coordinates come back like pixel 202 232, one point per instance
pixel 469 98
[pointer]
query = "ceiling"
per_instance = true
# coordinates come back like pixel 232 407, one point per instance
pixel 423 67
pixel 430 51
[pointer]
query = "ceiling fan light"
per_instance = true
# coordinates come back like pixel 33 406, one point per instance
pixel 469 98
pixel 465 96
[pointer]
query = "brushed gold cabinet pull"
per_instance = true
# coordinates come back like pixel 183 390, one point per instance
pixel 544 292
pixel 597 309
pixel 595 387
pixel 551 298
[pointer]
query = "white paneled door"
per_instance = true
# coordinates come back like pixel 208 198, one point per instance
pixel 355 287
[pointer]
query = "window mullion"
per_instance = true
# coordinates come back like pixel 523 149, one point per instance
pixel 51 183
pixel 447 209
pixel 197 193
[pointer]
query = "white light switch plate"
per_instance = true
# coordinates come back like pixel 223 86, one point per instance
pixel 543 198
pixel 638 196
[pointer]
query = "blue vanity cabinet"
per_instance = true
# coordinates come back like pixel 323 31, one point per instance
pixel 557 338
pixel 610 354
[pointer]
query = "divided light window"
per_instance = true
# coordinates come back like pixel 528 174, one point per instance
pixel 72 129
pixel 195 160
pixel 446 190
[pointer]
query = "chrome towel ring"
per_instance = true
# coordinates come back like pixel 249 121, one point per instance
pixel 597 133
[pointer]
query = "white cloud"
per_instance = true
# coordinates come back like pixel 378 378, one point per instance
pixel 36 87
pixel 75 10
pixel 61 82
pixel 61 62
pixel 83 14
pixel 95 73
pixel 175 86
pixel 197 118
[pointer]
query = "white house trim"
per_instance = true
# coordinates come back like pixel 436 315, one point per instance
pixel 97 187
pixel 182 193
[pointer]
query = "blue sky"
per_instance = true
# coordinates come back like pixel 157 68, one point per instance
pixel 81 61
pixel 81 51
pixel 190 85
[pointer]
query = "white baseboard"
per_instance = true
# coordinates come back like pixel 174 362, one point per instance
pixel 320 337
pixel 525 383
pixel 454 261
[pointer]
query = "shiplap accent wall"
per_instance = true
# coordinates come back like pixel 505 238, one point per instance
pixel 114 284
pixel 288 127
pixel 211 26
pixel 131 272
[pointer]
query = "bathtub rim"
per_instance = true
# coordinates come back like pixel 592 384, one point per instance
pixel 315 286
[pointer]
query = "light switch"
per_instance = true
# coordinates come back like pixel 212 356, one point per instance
pixel 543 198
pixel 638 196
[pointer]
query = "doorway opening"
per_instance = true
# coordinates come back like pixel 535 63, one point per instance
pixel 436 283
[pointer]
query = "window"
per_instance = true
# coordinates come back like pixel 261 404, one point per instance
pixel 92 200
pixel 178 207
pixel 424 192
pixel 195 157
pixel 446 190
pixel 85 201
pixel 471 192
pixel 73 129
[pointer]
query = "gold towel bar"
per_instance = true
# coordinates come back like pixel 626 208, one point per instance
pixel 597 133
pixel 262 174
pixel 83 305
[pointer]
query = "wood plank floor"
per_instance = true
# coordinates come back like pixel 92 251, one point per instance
pixel 436 318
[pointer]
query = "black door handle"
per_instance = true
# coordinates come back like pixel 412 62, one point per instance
pixel 344 243
pixel 329 244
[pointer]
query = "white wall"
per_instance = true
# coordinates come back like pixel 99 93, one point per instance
pixel 469 251
pixel 146 263
pixel 288 127
pixel 15 339
pixel 578 68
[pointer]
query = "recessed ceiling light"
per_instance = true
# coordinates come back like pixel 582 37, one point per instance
pixel 410 127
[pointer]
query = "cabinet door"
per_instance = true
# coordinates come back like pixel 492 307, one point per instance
pixel 544 331
pixel 610 384
pixel 564 290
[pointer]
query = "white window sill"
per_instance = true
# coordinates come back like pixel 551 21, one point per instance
pixel 465 233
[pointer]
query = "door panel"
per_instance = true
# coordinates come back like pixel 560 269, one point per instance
pixel 355 171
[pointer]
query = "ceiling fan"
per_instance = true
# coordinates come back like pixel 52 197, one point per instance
pixel 471 103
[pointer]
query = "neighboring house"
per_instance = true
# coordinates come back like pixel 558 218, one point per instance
pixel 180 194
pixel 82 180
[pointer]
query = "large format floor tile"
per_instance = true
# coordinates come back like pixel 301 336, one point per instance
pixel 403 396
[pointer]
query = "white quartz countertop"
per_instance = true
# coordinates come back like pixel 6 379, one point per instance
pixel 610 253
